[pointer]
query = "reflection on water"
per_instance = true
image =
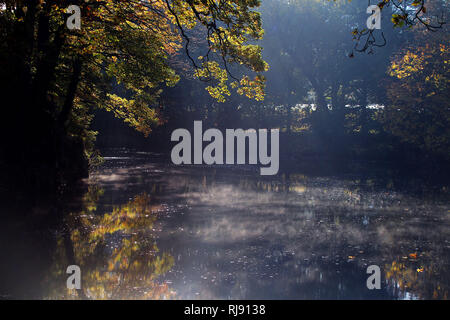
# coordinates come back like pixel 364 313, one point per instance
pixel 149 230
pixel 116 252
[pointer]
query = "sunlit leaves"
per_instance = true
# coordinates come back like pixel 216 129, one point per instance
pixel 419 96
pixel 126 47
pixel 134 112
pixel 230 27
pixel 253 88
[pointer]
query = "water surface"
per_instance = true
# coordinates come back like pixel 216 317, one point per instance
pixel 146 229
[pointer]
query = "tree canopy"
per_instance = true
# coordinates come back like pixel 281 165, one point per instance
pixel 128 57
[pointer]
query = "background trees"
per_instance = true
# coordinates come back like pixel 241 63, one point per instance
pixel 141 62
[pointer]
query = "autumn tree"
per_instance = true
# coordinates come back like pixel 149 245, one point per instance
pixel 52 78
pixel 419 111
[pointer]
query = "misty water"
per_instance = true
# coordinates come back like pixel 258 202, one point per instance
pixel 147 229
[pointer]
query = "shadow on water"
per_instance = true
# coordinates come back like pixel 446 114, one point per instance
pixel 145 229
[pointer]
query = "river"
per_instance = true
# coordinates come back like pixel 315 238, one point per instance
pixel 147 229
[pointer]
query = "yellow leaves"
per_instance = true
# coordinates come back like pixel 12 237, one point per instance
pixel 383 3
pixel 212 71
pixel 253 89
pixel 399 20
pixel 408 64
pixel 172 47
pixel 422 88
pixel 415 62
pixel 231 25
pixel 218 92
pixel 136 114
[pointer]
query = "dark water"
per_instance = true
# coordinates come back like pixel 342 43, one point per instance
pixel 149 230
